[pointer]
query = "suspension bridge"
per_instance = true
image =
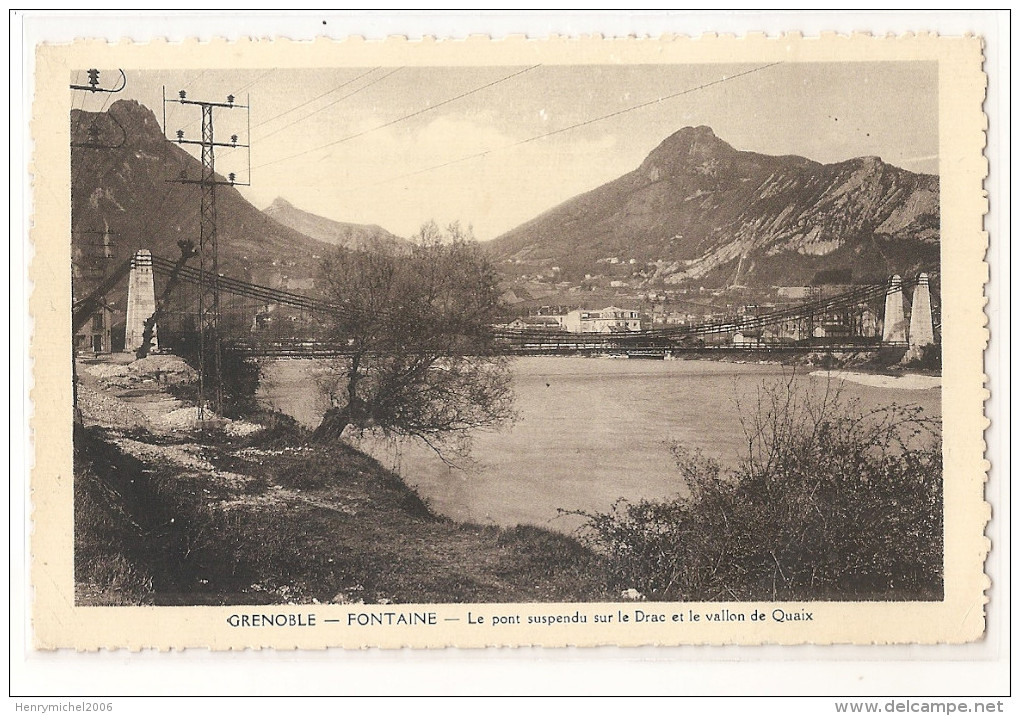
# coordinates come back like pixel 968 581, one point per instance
pixel 262 321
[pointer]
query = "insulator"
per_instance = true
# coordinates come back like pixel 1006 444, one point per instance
pixel 94 77
pixel 180 134
pixel 230 99
pixel 233 138
pixel 182 94
pixel 231 177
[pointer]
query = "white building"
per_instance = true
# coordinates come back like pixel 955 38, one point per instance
pixel 533 323
pixel 794 292
pixel 607 320
pixel 748 339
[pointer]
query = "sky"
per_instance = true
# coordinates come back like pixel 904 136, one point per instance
pixel 399 146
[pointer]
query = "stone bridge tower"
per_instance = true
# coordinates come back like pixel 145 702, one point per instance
pixel 894 323
pixel 141 301
pixel 922 332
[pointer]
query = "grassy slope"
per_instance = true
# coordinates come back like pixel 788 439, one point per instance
pixel 276 524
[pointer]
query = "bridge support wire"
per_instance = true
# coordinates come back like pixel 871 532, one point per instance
pixel 849 304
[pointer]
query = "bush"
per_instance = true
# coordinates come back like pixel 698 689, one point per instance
pixel 142 531
pixel 103 571
pixel 928 358
pixel 829 503
pixel 420 360
pixel 241 374
pixel 278 430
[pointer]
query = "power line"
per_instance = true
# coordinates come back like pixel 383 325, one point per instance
pixel 255 81
pixel 327 106
pixel 578 124
pixel 75 97
pixel 208 250
pixel 401 119
pixel 236 91
pixel 313 99
pixel 106 101
pixel 303 104
pixel 178 205
pixel 191 84
pixel 75 175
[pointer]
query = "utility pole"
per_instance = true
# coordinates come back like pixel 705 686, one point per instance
pixel 93 264
pixel 208 251
pixel 90 259
pixel 92 142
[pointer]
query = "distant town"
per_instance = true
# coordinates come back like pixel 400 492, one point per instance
pixel 629 297
pixel 749 317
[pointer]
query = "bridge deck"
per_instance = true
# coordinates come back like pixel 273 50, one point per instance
pixel 322 349
pixel 647 343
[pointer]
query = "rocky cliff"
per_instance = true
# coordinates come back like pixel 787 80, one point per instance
pixel 704 212
pixel 123 187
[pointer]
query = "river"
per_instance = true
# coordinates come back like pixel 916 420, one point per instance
pixel 591 430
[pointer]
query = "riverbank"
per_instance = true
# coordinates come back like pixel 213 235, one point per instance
pixel 589 431
pixel 907 381
pixel 890 361
pixel 256 514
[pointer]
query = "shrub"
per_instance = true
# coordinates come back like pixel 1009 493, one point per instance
pixel 139 530
pixel 103 533
pixel 279 430
pixel 928 358
pixel 240 374
pixel 829 503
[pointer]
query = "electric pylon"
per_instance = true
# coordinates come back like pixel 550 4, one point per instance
pixel 208 251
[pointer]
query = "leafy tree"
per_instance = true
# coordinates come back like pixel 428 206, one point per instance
pixel 418 326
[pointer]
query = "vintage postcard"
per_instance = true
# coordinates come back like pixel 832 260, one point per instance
pixel 559 342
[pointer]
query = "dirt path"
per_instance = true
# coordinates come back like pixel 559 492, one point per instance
pixel 112 395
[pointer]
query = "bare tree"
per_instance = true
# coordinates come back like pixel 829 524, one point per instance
pixel 418 330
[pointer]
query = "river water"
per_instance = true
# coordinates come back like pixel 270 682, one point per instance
pixel 591 430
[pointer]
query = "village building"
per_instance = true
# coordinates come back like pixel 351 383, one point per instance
pixel 512 297
pixel 832 327
pixel 797 293
pixel 607 320
pixel 867 323
pixel 96 335
pixel 298 284
pixel 789 331
pixel 536 323
pixel 748 339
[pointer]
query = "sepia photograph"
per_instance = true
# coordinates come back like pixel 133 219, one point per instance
pixel 522 353
pixel 534 333
pixel 562 342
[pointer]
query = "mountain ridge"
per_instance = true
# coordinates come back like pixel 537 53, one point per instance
pixel 126 188
pixel 330 231
pixel 697 208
